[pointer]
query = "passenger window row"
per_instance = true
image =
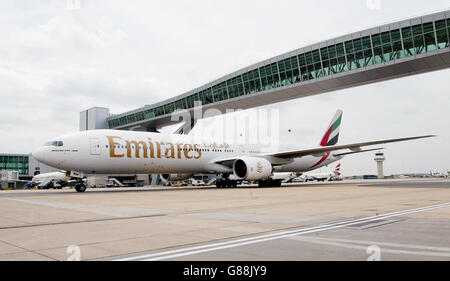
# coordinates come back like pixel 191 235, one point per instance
pixel 181 149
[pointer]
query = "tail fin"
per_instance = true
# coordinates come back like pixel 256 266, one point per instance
pixel 332 134
pixel 337 171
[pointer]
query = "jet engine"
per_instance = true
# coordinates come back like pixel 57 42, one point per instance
pixel 175 177
pixel 252 168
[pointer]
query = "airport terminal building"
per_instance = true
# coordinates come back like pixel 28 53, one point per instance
pixel 390 51
pixel 25 164
pixel 22 166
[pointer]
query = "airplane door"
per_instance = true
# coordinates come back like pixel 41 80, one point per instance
pixel 95 147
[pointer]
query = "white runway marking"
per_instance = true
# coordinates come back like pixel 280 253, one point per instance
pixel 364 242
pixel 354 244
pixel 267 237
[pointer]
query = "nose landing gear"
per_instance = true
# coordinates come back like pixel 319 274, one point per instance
pixel 80 187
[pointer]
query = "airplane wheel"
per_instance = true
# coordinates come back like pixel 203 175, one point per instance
pixel 50 185
pixel 80 187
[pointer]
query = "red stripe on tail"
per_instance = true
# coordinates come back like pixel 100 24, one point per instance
pixel 324 141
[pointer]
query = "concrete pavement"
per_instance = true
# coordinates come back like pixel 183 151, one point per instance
pixel 115 223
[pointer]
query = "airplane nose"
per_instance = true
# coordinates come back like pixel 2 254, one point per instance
pixel 39 154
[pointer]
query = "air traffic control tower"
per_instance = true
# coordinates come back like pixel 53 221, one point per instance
pixel 385 52
pixel 379 158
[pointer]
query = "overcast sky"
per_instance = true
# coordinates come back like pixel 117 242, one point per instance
pixel 57 59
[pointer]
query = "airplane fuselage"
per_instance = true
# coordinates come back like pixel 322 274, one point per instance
pixel 126 152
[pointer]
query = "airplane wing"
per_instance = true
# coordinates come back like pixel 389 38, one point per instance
pixel 319 151
pixel 354 152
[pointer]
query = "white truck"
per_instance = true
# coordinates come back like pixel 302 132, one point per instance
pixel 196 182
pixel 97 181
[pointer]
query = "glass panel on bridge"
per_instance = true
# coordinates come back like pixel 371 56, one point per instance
pixel 352 54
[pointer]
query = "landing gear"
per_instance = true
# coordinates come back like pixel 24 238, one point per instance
pixel 223 181
pixel 50 185
pixel 226 183
pixel 80 187
pixel 269 183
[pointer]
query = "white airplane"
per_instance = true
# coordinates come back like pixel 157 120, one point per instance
pixel 284 176
pixel 50 180
pixel 181 156
pixel 323 176
pixel 278 178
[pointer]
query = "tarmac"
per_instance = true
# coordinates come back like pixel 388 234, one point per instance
pixel 406 219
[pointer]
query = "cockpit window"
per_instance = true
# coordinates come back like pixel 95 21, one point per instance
pixel 54 143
